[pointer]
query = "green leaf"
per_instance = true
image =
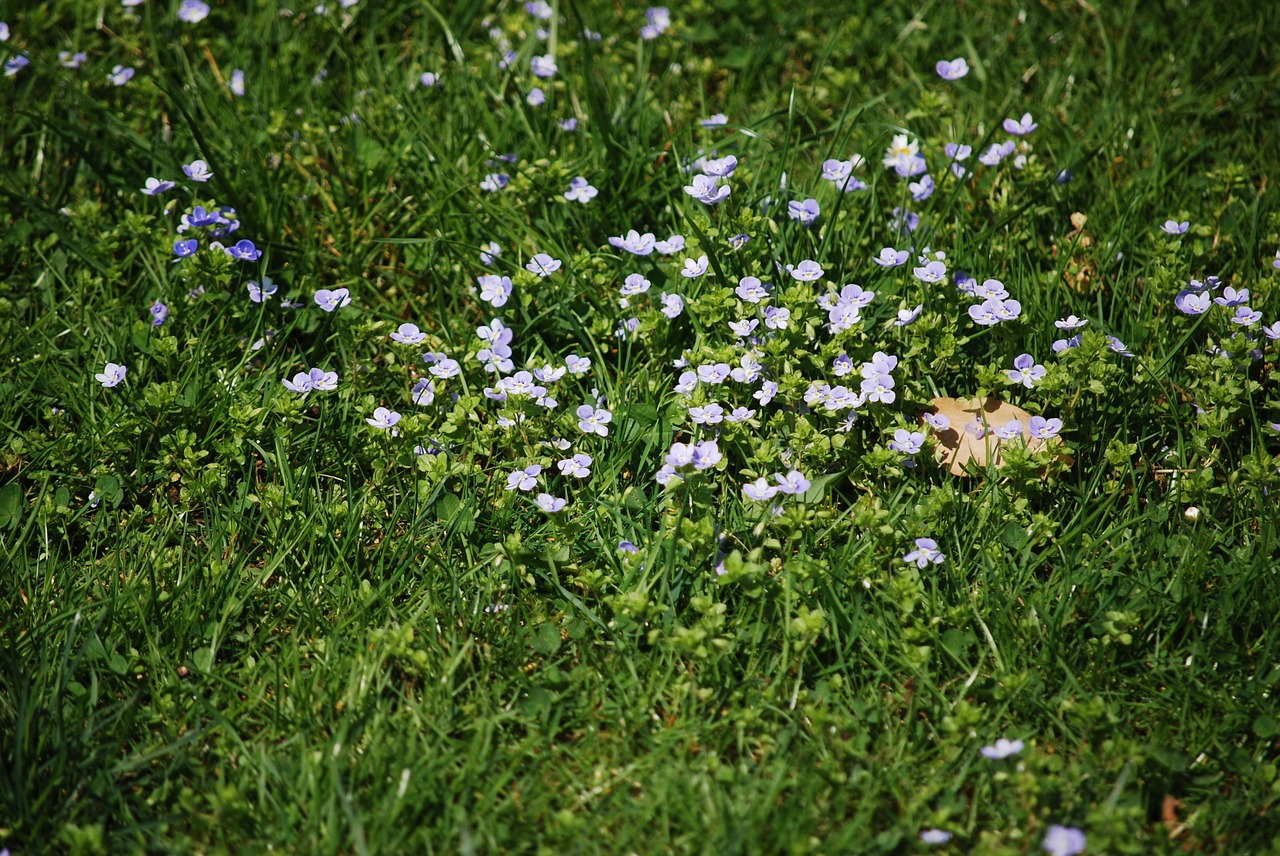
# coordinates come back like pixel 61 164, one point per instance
pixel 10 504
pixel 203 658
pixel 546 640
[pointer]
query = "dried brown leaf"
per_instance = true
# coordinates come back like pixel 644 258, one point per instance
pixel 960 443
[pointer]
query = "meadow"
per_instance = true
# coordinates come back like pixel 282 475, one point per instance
pixel 577 427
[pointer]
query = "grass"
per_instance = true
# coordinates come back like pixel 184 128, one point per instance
pixel 274 627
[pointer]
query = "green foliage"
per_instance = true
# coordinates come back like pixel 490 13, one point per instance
pixel 241 617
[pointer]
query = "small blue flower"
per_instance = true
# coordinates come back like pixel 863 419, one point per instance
pixel 244 250
pixel 1020 128
pixel 1025 371
pixel 183 249
pixel 580 190
pixel 952 70
pixel 155 186
pixel 806 211
pixel 926 552
pixel 15 64
pixel 1173 227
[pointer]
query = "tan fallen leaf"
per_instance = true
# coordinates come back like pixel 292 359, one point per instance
pixel 970 437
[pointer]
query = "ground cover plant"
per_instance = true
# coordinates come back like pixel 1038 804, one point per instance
pixel 577 427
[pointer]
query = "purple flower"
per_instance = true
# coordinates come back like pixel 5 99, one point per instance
pixel 423 392
pixel 922 189
pixel 577 365
pixel 670 246
pixel 907 442
pixel 15 64
pixel 383 418
pixel 1063 841
pixel 707 189
pixel 579 466
pixel 1246 317
pixel 408 334
pixel 593 420
pixel 904 220
pixel 714 121
pixel 72 60
pixel 550 504
pixel 159 313
pixel 525 479
pixel 1025 371
pixel 1232 297
pixel 536 97
pixel 759 490
pixel 751 289
pixel 112 375
pixel 236 83
pixel 1009 430
pixel 1060 345
pixel 907 316
pixel 634 284
pixel 300 384
pixel 200 218
pixel 720 167
pixel 429 79
pixel 197 170
pixel 580 190
pixel 193 11
pixel 1002 749
pixel 540 9
pixel 694 268
pixel 1173 227
pixel 706 455
pixel 543 265
pixel 709 414
pixel 777 317
pixel 1272 331
pixel 323 380
pixel 1020 128
pixel 244 250
pixel 120 75
pixel 805 212
pixel 1119 347
pixel 807 271
pixel 793 483
pixel 938 421
pixel 635 243
pixel 494 289
pixel 659 21
pixel 931 272
pixel 1071 322
pixel 183 249
pixel 990 288
pixel 935 836
pixel 952 70
pixel 1193 302
pixel 1044 429
pixel 331 300
pixel 672 305
pixel 926 551
pixel 985 313
pixel 889 257
pixel 495 181
pixel 155 186
pixel 442 366
pixel 569 125
pixel 543 66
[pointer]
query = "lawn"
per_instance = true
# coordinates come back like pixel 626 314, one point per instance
pixel 571 427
